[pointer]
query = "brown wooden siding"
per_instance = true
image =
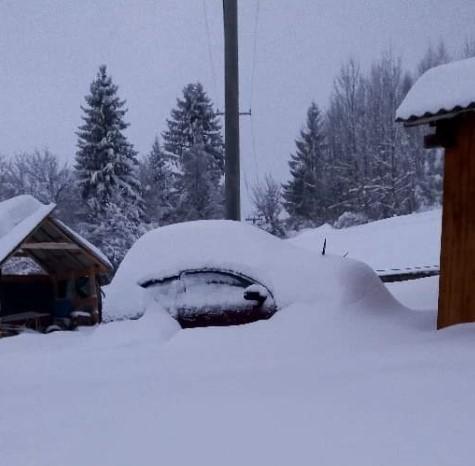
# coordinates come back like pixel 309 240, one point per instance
pixel 457 287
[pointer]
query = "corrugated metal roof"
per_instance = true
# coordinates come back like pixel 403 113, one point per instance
pixel 25 218
pixel 440 93
pixel 19 216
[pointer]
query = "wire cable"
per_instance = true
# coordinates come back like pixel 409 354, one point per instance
pixel 210 50
pixel 254 51
pixel 251 94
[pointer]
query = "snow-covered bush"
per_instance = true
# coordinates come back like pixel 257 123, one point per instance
pixel 267 199
pixel 350 219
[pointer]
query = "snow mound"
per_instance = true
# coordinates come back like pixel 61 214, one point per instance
pixel 397 242
pixel 441 89
pixel 292 274
pixel 18 217
pixel 155 326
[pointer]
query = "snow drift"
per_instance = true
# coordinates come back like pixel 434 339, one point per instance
pixel 362 382
pixel 292 274
pixel 398 242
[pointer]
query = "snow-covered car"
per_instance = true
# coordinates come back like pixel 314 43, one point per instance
pixel 219 272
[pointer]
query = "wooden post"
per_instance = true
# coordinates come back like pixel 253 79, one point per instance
pixel 97 312
pixel 457 273
pixel 1 294
pixel 231 117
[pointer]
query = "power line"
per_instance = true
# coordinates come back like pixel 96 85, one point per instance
pixel 254 51
pixel 251 95
pixel 253 146
pixel 246 185
pixel 210 50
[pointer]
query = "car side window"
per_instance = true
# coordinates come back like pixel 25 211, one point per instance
pixel 213 278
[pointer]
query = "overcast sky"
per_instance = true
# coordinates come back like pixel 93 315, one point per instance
pixel 50 51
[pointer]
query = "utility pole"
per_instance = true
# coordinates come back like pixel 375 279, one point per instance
pixel 231 117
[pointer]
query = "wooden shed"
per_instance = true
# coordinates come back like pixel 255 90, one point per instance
pixel 48 273
pixel 444 98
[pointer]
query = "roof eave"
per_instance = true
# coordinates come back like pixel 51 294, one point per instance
pixel 105 267
pixel 430 118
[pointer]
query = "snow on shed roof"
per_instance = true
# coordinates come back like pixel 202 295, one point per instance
pixel 18 218
pixel 440 93
pixel 21 215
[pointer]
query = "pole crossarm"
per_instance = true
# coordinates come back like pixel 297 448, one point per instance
pixel 248 113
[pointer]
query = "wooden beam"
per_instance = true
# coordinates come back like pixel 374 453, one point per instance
pixel 20 253
pixel 71 274
pixel 50 246
pixel 100 266
pixel 457 266
pixel 444 135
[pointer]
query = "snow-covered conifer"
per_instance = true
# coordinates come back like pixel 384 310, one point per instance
pixel 105 161
pixel 193 130
pixel 156 179
pixel 201 196
pixel 106 172
pixel 304 194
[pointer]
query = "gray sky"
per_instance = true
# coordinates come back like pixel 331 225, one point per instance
pixel 50 51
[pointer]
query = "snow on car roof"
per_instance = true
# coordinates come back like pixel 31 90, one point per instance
pixel 440 91
pixel 18 218
pixel 289 272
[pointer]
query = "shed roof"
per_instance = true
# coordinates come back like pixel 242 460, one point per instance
pixel 23 219
pixel 441 92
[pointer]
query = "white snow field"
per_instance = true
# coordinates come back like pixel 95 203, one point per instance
pixel 359 380
pixel 397 242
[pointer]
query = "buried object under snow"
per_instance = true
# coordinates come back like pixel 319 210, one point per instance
pixel 179 265
pixel 203 297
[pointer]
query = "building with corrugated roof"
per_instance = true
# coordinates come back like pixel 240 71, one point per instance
pixel 49 275
pixel 444 98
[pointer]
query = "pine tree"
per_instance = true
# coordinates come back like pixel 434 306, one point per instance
pixel 304 194
pixel 105 161
pixel 194 131
pixel 156 176
pixel 106 172
pixel 201 197
pixel 115 232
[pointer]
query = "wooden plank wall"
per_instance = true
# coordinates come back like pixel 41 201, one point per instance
pixel 456 285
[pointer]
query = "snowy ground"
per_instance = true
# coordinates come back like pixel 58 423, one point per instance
pixel 398 242
pixel 353 387
pixel 357 384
